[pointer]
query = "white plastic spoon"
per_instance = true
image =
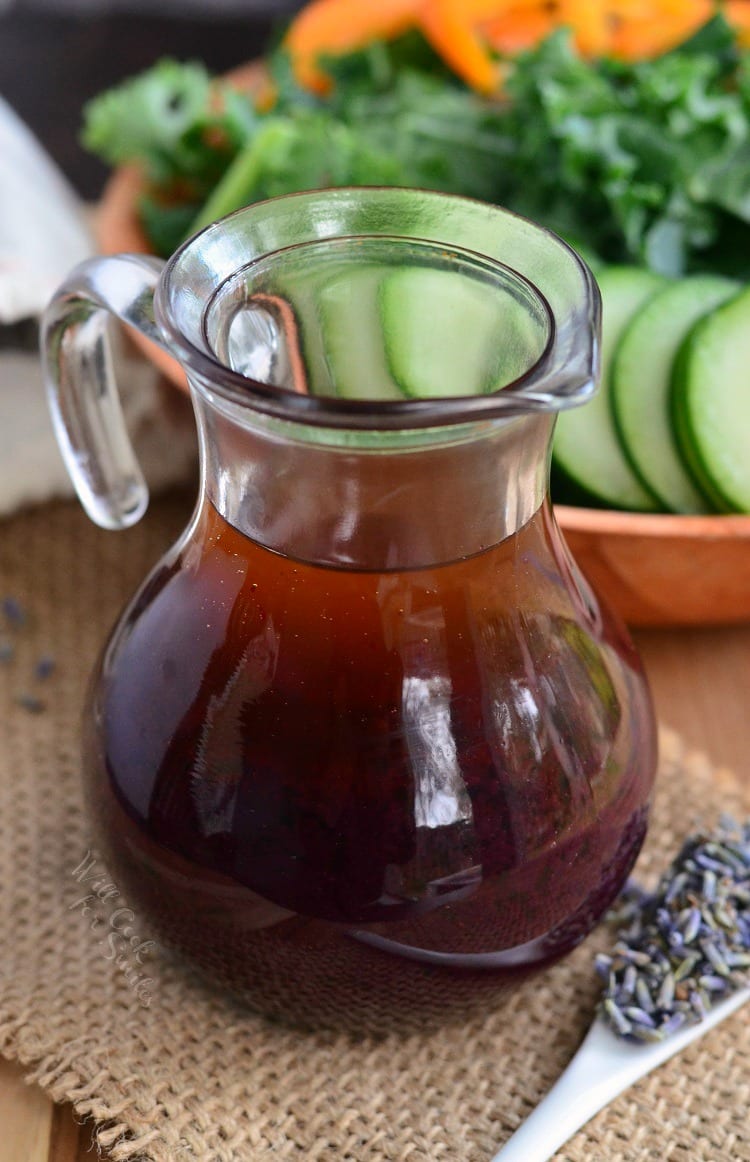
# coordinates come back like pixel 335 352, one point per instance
pixel 603 1067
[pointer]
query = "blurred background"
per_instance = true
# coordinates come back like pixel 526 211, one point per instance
pixel 56 54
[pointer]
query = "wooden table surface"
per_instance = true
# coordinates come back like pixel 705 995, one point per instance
pixel 700 680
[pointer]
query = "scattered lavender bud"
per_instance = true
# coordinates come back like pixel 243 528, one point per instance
pixel 31 703
pixel 44 667
pixel 14 612
pixel 16 616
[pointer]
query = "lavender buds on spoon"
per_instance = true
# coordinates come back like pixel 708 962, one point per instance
pixel 681 964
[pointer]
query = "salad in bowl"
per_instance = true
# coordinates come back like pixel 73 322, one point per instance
pixel 624 126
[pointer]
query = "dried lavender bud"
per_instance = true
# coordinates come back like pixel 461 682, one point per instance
pixel 712 984
pixel 666 992
pixel 692 925
pixel 629 979
pixel 685 967
pixel 14 612
pixel 643 994
pixel 31 703
pixel 715 958
pixel 616 1018
pixel 685 946
pixel 709 886
pixel 678 885
pixel 602 964
pixel 640 1017
pixel 44 667
pixel 6 651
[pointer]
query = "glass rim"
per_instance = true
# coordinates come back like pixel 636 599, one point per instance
pixel 530 393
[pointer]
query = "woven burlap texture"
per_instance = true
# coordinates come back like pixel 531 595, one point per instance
pixel 190 1075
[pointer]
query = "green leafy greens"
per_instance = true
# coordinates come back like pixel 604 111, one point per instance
pixel 645 162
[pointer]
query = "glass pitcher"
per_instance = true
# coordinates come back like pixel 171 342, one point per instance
pixel 364 738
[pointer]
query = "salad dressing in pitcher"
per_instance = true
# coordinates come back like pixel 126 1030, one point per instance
pixel 364 740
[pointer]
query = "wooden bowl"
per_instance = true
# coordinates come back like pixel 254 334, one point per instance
pixel 656 570
pixel 664 570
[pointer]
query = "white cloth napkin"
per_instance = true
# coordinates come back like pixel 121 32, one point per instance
pixel 160 421
pixel 43 233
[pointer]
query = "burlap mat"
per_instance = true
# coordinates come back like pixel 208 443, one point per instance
pixel 172 1070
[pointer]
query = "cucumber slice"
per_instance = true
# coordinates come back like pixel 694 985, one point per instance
pixel 711 403
pixel 586 447
pixel 385 333
pixel 447 334
pixel 347 348
pixel 641 377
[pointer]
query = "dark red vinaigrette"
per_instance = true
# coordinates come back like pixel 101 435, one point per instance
pixel 352 794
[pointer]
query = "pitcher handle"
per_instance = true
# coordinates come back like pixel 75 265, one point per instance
pixel 81 387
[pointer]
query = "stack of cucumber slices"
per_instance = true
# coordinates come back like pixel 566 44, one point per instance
pixel 670 427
